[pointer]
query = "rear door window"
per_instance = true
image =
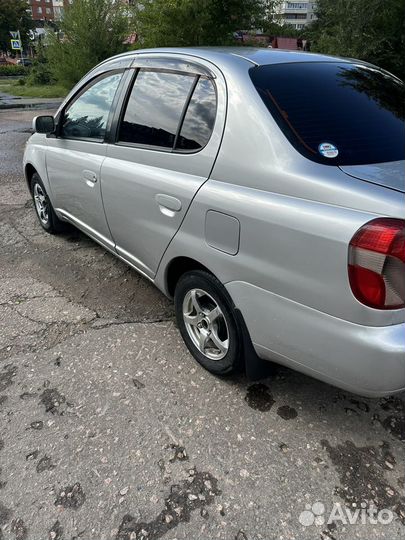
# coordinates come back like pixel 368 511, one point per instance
pixel 336 113
pixel 200 117
pixel 155 107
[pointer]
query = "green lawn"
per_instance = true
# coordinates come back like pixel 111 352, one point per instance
pixel 15 89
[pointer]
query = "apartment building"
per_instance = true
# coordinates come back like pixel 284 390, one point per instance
pixel 58 7
pixel 42 10
pixel 48 10
pixel 52 10
pixel 298 14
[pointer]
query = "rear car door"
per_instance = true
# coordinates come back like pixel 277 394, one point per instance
pixel 75 155
pixel 164 147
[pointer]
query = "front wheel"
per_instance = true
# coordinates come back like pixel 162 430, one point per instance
pixel 43 207
pixel 206 320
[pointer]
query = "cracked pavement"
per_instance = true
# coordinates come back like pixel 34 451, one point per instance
pixel 110 430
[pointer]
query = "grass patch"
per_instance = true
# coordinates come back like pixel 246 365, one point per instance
pixel 15 89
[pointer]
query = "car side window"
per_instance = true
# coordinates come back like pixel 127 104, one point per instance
pixel 155 108
pixel 200 117
pixel 87 116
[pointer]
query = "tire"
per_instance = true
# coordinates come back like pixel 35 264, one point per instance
pixel 206 319
pixel 47 217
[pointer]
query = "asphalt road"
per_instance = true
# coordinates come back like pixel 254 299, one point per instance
pixel 109 429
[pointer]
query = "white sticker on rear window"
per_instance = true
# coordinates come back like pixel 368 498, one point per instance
pixel 328 150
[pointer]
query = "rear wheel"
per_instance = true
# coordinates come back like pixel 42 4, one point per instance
pixel 206 320
pixel 46 214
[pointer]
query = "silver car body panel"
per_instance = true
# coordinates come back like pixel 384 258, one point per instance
pixel 75 171
pixel 391 175
pixel 347 355
pixel 151 190
pixel 283 256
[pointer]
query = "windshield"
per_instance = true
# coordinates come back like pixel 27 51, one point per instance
pixel 336 113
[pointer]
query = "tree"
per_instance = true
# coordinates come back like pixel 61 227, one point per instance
pixel 168 23
pixel 371 30
pixel 273 28
pixel 90 31
pixel 13 16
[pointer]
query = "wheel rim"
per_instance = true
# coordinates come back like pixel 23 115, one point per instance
pixel 41 204
pixel 206 324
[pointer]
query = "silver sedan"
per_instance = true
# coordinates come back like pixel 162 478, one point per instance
pixel 261 189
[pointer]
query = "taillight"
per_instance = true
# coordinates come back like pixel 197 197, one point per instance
pixel 377 264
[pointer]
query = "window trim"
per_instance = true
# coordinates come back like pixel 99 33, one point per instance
pixel 122 107
pixel 179 65
pixel 79 93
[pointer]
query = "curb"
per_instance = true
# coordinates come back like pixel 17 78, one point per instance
pixel 5 78
pixel 38 106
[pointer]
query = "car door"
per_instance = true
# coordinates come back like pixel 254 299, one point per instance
pixel 166 141
pixel 74 157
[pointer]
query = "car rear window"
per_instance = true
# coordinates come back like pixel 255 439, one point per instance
pixel 336 113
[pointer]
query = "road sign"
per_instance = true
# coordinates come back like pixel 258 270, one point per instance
pixel 16 44
pixel 15 35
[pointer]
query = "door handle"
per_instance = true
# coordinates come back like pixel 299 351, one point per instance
pixel 168 205
pixel 90 177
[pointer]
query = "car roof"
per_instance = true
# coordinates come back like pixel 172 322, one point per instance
pixel 255 55
pixel 258 55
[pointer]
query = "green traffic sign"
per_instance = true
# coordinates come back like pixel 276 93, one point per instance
pixel 16 44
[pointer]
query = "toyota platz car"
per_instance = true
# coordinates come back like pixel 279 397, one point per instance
pixel 261 189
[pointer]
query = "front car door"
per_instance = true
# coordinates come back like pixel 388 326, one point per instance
pixel 75 155
pixel 166 141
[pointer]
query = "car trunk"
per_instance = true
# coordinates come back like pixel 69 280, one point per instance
pixel 390 175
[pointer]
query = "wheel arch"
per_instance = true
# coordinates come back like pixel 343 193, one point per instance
pixel 29 171
pixel 179 266
pixel 255 367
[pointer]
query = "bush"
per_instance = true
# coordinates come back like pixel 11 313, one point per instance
pixel 39 74
pixel 92 30
pixel 21 82
pixel 371 30
pixel 182 23
pixel 10 71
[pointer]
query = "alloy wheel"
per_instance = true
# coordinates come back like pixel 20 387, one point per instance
pixel 41 204
pixel 206 324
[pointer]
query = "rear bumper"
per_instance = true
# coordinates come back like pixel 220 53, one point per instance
pixel 366 360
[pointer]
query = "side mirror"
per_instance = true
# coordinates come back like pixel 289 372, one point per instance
pixel 43 124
